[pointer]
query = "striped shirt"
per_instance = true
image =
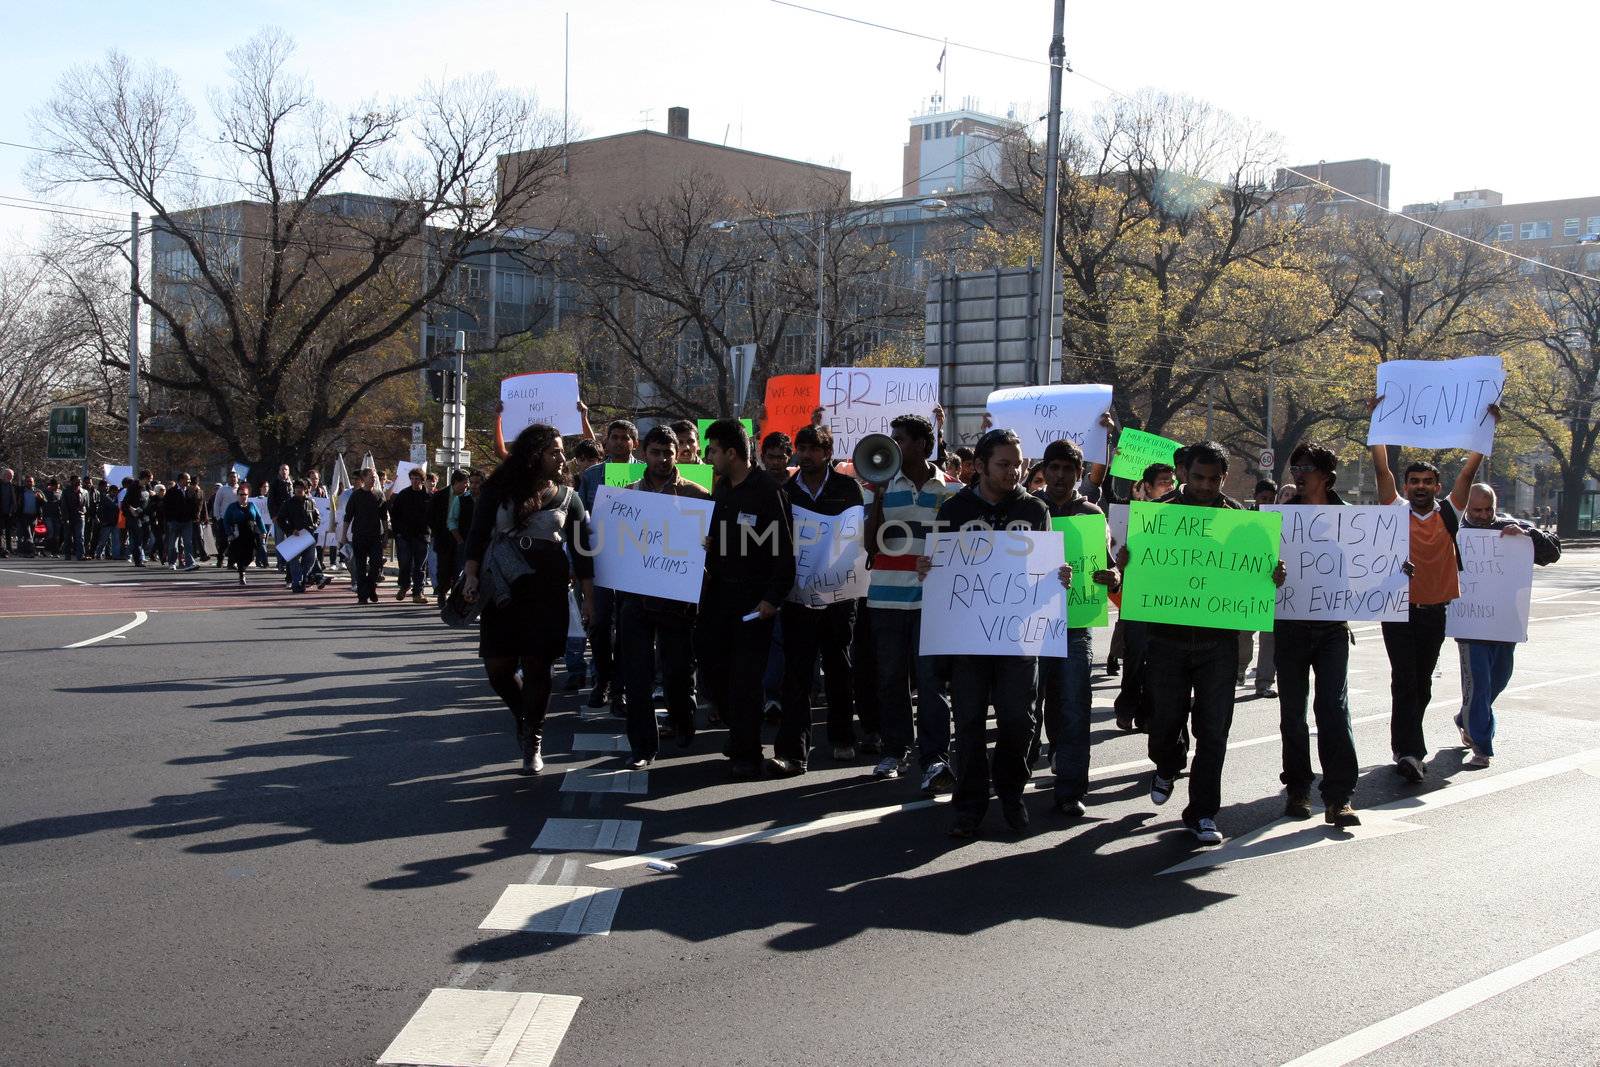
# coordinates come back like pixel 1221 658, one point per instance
pixel 907 514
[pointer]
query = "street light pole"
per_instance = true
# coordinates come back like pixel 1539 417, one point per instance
pixel 1052 195
pixel 133 344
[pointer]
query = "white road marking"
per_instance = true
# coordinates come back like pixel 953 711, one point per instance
pixel 1369 1039
pixel 1569 592
pixel 482 1028
pixel 589 835
pixel 554 909
pixel 599 743
pixel 1288 835
pixel 43 585
pixel 38 574
pixel 539 869
pixel 1552 681
pixel 604 780
pixel 462 974
pixel 139 618
pixel 568 872
pixel 848 818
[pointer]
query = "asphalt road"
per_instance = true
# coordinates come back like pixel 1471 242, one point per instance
pixel 259 828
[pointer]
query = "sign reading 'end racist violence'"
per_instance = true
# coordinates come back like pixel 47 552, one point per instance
pixel 994 593
pixel 649 543
pixel 1437 403
pixel 1039 414
pixel 1196 566
pixel 1342 564
pixel 857 401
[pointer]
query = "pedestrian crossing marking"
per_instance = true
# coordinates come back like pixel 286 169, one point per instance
pixel 477 1028
pixel 588 835
pixel 604 780
pixel 600 743
pixel 554 909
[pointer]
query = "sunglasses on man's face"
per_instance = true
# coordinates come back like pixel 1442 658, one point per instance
pixel 1301 468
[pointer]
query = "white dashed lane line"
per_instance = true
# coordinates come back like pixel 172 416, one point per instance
pixel 481 1027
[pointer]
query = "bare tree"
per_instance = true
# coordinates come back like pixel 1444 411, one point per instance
pixel 289 284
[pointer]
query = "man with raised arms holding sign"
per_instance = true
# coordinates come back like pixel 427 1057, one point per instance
pixel 1181 659
pixel 1434 567
pixel 1301 646
pixel 654 626
pixel 994 502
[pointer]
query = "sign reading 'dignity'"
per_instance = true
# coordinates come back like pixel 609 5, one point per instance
pixel 1343 563
pixel 994 593
pixel 830 557
pixel 856 401
pixel 1040 414
pixel 542 396
pixel 1496 587
pixel 649 543
pixel 1196 566
pixel 1438 403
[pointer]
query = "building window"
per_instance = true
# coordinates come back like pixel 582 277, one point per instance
pixel 1533 231
pixel 1591 261
pixel 1569 228
pixel 1503 232
pixel 1594 224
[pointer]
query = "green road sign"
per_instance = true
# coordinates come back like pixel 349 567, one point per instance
pixel 69 434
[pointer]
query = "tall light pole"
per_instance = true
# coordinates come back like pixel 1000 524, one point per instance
pixel 1052 196
pixel 133 343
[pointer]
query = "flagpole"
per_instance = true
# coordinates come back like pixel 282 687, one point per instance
pixel 944 91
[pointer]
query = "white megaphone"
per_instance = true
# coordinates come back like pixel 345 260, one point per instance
pixel 876 458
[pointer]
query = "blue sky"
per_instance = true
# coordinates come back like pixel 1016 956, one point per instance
pixel 1453 96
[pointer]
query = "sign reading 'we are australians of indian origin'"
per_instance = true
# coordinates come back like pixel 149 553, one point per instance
pixel 1199 566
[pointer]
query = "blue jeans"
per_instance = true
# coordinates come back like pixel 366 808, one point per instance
pixel 180 543
pixel 302 567
pixel 73 549
pixel 1068 699
pixel 896 634
pixel 1485 670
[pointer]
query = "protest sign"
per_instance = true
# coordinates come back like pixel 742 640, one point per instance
pixel 402 474
pixel 1040 414
pixel 1136 450
pixel 1437 403
pixel 1343 563
pixel 749 431
pixel 830 556
pixel 115 473
pixel 1496 587
pixel 1085 537
pixel 242 470
pixel 622 475
pixel 650 543
pixel 327 535
pixel 261 506
pixel 994 593
pixel 1198 566
pixel 292 546
pixel 1117 525
pixel 541 396
pixel 857 401
pixel 791 398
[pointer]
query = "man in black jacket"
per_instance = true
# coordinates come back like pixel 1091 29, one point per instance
pixel 444 546
pixel 135 502
pixel 821 628
pixel 408 518
pixel 364 529
pixel 749 572
pixel 300 514
pixel 9 507
pixel 74 512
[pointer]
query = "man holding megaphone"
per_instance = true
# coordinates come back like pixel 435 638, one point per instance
pixel 906 496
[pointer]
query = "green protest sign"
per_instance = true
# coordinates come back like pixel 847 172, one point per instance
pixel 1199 566
pixel 622 475
pixel 748 424
pixel 1136 450
pixel 1086 552
pixel 68 436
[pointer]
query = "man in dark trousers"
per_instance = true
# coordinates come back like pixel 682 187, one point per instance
pixel 749 572
pixel 810 630
pixel 74 513
pixel 444 545
pixel 408 518
pixel 364 530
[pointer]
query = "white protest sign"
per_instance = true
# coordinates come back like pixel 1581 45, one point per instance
pixel 830 557
pixel 1343 563
pixel 1117 525
pixel 543 396
pixel 1433 403
pixel 115 473
pixel 261 506
pixel 326 534
pixel 242 470
pixel 1040 414
pixel 994 593
pixel 856 401
pixel 402 474
pixel 649 543
pixel 1496 587
pixel 574 618
pixel 290 547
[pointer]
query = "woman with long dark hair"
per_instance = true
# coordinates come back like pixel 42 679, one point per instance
pixel 524 523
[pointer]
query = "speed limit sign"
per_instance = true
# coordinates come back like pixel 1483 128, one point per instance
pixel 1266 459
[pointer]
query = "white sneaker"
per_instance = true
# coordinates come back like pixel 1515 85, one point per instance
pixel 1466 738
pixel 1205 831
pixel 1160 790
pixel 538 758
pixel 888 767
pixel 938 778
pixel 1477 759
